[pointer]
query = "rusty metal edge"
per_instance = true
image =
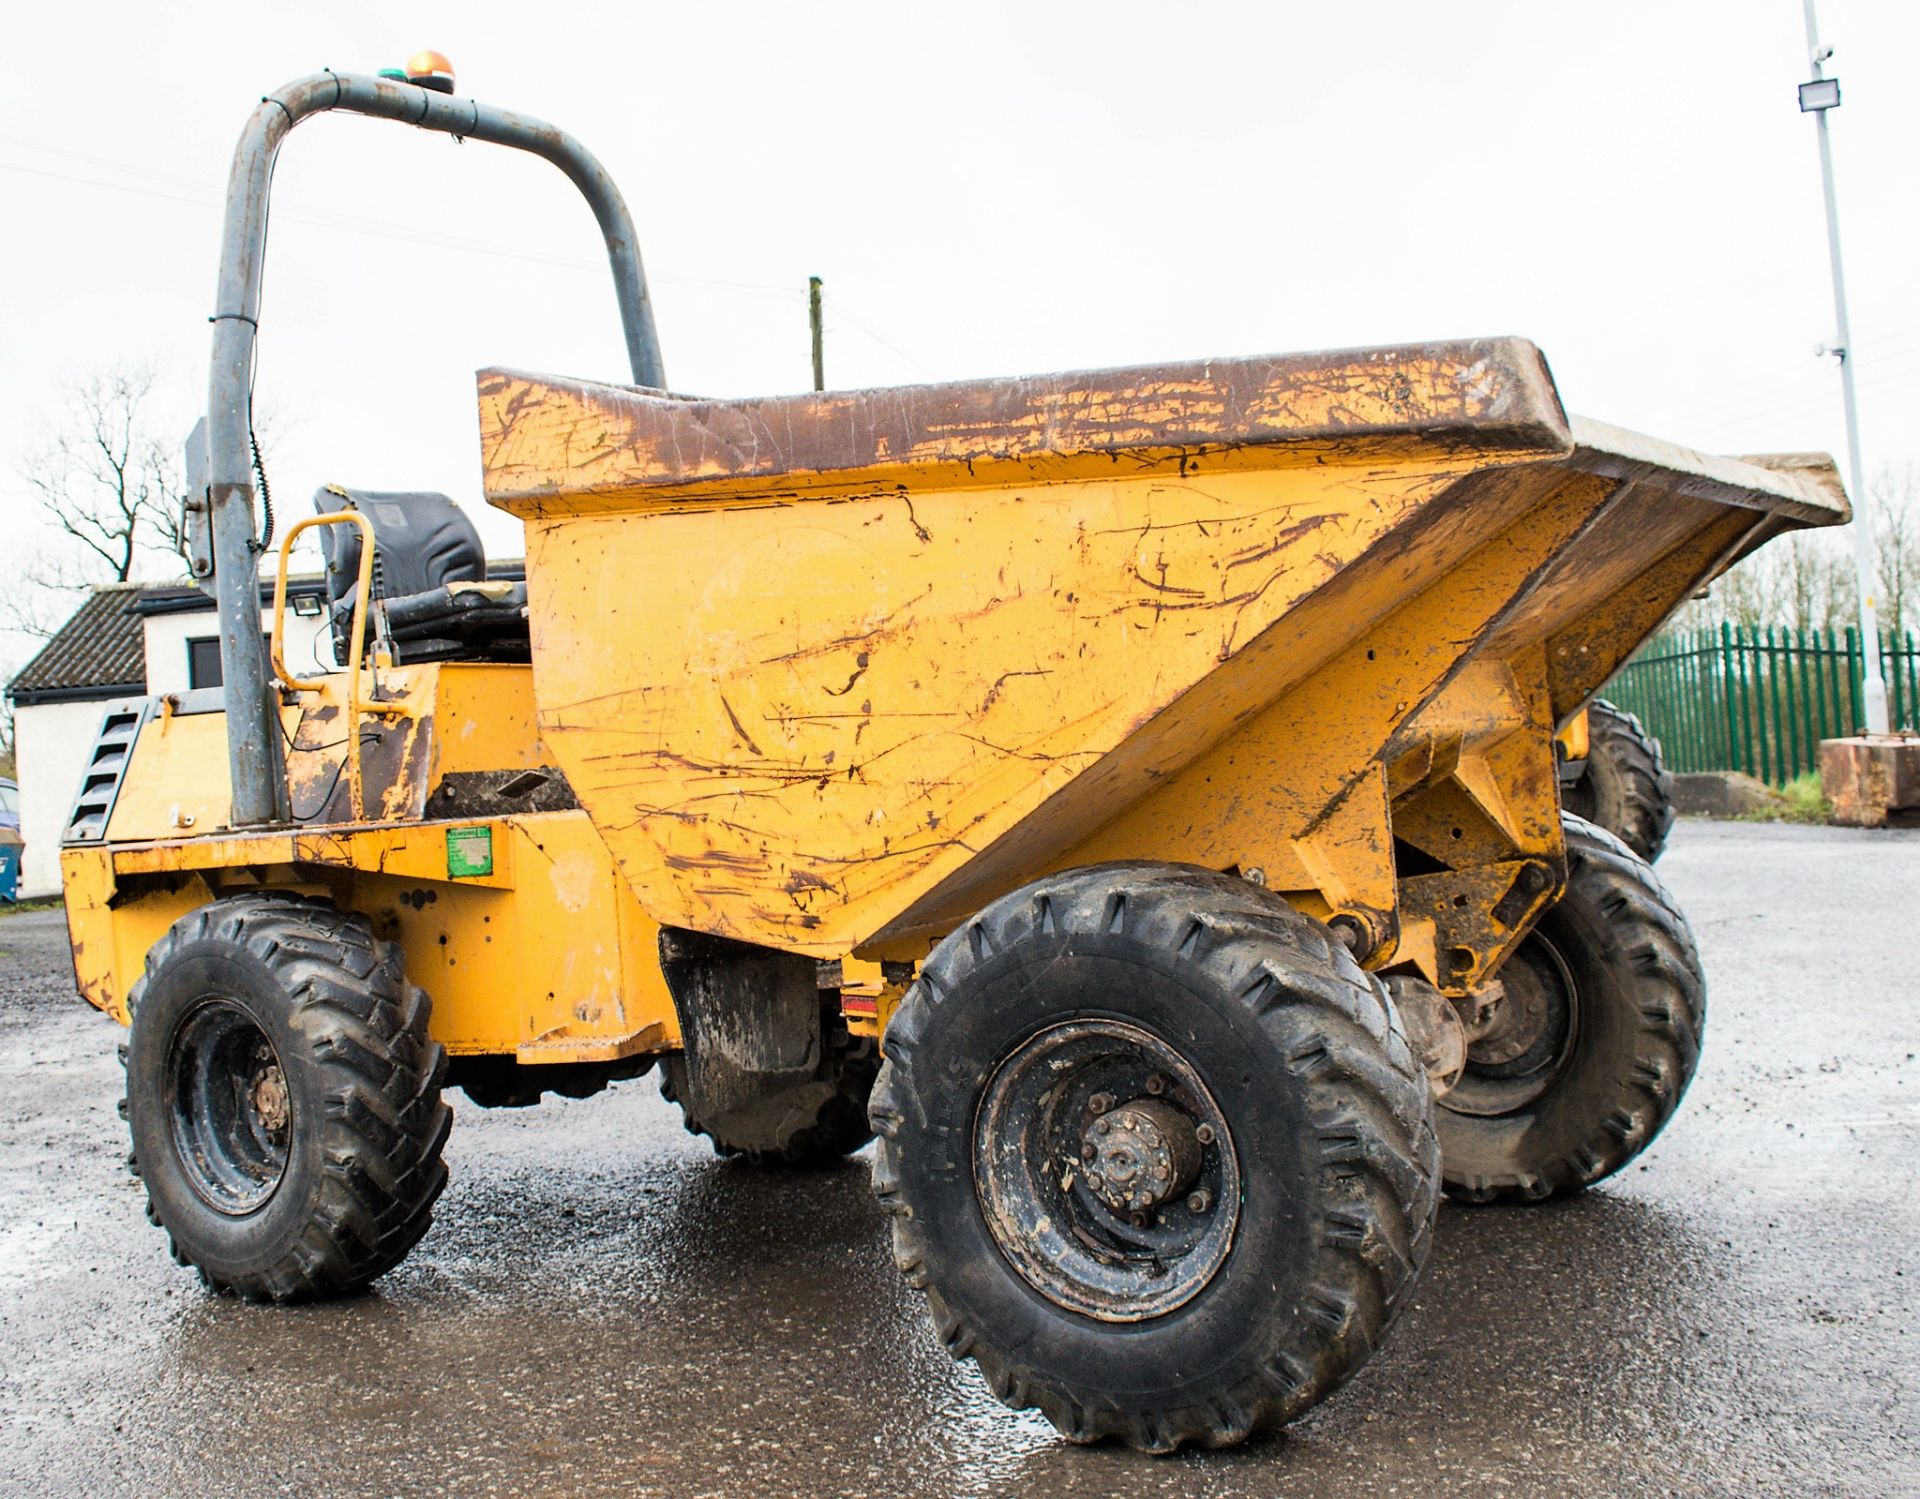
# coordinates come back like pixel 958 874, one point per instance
pixel 1205 405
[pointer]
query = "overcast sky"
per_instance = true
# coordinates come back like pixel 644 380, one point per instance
pixel 986 189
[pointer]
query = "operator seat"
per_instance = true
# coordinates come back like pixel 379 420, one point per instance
pixel 429 573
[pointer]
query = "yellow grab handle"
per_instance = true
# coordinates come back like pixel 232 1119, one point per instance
pixel 361 603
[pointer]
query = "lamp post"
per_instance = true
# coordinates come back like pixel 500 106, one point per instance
pixel 1818 95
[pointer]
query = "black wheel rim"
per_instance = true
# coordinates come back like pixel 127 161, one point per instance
pixel 228 1107
pixel 1105 1171
pixel 1530 1040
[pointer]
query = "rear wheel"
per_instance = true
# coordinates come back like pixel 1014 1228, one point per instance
pixel 1593 1042
pixel 1624 786
pixel 284 1098
pixel 809 1123
pixel 1157 1152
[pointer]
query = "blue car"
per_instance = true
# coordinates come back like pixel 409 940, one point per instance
pixel 11 844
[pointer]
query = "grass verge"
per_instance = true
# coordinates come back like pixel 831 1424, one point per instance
pixel 1799 800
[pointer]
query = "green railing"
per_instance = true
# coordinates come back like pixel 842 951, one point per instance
pixel 1759 700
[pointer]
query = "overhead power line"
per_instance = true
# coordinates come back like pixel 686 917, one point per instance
pixel 199 194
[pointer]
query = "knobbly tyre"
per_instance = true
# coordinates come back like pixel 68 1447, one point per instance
pixel 1613 775
pixel 1155 767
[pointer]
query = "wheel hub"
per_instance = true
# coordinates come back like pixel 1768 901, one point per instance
pixel 1140 1155
pixel 1105 1171
pixel 1522 1047
pixel 1524 1016
pixel 270 1096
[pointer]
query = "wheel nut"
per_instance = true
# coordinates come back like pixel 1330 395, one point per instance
pixel 1139 1220
pixel 1156 1085
pixel 1204 1134
pixel 1199 1201
pixel 1099 1103
pixel 1087 1152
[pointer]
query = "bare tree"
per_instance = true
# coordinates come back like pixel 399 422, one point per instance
pixel 44 592
pixel 1806 580
pixel 1748 596
pixel 106 479
pixel 1816 575
pixel 1896 496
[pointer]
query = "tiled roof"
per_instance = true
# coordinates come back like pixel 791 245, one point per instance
pixel 100 652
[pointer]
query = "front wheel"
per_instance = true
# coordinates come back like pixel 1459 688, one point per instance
pixel 284 1098
pixel 1158 1153
pixel 1594 1039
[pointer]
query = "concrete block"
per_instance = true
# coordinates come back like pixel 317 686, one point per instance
pixel 1720 793
pixel 1873 781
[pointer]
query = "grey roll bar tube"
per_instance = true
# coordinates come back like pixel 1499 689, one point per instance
pixel 253 712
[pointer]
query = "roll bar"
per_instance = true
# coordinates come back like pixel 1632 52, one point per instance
pixel 254 748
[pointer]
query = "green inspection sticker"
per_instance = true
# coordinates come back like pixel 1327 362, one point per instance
pixel 469 852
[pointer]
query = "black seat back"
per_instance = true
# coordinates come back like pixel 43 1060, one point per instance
pixel 430 575
pixel 421 541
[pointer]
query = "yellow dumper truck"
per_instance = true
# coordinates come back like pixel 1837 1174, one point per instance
pixel 1130 794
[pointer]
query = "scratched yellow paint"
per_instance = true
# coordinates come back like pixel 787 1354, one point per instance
pixel 805 716
pixel 483 946
pixel 1298 790
pixel 463 716
pixel 111 928
pixel 828 672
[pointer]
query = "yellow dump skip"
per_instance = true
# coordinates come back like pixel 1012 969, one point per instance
pixel 825 669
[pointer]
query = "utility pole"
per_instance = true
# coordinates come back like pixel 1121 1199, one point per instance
pixel 819 351
pixel 1817 96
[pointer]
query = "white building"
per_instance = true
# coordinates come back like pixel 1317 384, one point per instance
pixel 125 640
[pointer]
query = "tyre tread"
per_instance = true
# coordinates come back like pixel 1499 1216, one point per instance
pixel 1641 810
pixel 1671 1008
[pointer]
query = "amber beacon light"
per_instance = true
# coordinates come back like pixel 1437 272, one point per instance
pixel 431 70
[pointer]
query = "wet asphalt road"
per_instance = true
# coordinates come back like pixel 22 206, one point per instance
pixel 602 1307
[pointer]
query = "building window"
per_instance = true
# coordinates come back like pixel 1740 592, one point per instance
pixel 203 661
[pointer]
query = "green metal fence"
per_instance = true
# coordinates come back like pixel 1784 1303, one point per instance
pixel 1759 700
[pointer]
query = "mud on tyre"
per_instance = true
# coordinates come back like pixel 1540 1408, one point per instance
pixel 1593 1044
pixel 1157 1152
pixel 284 1098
